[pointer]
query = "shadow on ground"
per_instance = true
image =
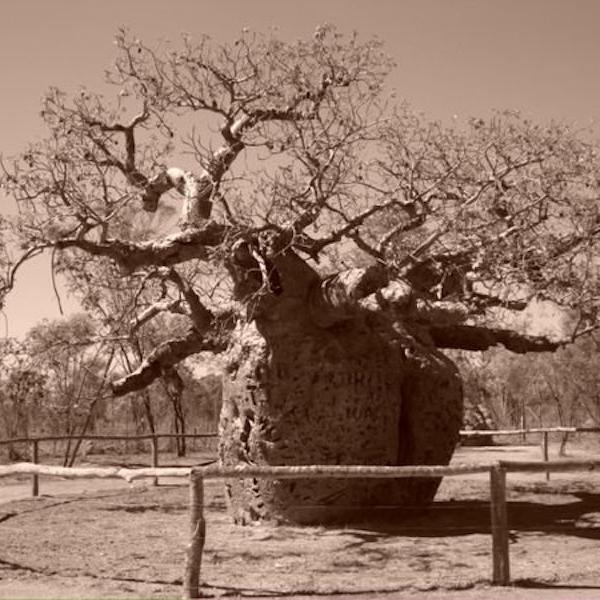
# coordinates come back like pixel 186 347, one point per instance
pixel 579 518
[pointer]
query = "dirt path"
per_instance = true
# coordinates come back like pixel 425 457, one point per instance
pixel 20 490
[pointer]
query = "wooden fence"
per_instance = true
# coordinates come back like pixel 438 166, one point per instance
pixel 545 431
pixel 197 475
pixel 35 442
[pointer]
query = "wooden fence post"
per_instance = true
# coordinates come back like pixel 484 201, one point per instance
pixel 500 552
pixel 191 579
pixel 35 459
pixel 154 457
pixel 545 452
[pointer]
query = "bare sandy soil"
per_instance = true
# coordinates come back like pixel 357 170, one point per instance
pixel 129 542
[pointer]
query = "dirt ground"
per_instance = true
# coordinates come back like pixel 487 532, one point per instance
pixel 101 539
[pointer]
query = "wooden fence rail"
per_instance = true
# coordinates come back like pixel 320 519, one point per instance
pixel 122 438
pixel 150 436
pixel 191 585
pixel 34 442
pixel 154 438
pixel 545 431
pixel 491 432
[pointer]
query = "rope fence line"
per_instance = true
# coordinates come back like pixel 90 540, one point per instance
pixel 196 475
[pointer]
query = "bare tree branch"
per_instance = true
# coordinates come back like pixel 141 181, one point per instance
pixel 467 337
pixel 174 249
pixel 7 282
pixel 162 306
pixel 164 356
pixel 200 315
pixel 214 338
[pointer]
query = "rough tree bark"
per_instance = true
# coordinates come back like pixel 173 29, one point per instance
pixel 308 383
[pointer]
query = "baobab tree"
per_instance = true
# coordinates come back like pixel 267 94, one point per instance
pixel 331 244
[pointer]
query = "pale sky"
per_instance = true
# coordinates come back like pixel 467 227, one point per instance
pixel 458 58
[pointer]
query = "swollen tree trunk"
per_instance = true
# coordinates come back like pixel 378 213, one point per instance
pixel 302 389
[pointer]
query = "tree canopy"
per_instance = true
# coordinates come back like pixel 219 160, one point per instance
pixel 297 152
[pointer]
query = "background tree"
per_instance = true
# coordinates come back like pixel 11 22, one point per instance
pixel 136 314
pixel 23 394
pixel 76 374
pixel 301 158
pixel 560 389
